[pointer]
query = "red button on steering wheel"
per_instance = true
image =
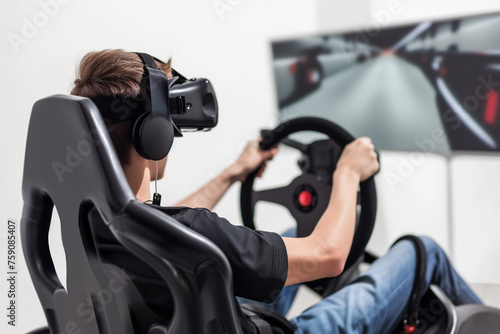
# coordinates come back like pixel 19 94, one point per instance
pixel 305 198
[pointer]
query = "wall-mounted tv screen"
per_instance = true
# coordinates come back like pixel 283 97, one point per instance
pixel 430 86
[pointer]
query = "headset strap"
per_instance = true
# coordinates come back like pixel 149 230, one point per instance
pixel 115 109
pixel 155 81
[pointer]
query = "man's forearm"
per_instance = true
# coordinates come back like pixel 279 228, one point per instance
pixel 335 229
pixel 249 160
pixel 210 194
pixel 324 252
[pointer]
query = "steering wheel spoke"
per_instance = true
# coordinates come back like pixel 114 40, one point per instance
pixel 295 144
pixel 275 195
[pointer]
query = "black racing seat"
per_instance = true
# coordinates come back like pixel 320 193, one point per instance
pixel 70 163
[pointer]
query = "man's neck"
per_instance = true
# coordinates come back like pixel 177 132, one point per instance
pixel 139 185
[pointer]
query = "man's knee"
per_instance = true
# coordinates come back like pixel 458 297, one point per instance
pixel 431 246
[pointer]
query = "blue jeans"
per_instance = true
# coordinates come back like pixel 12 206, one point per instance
pixel 377 300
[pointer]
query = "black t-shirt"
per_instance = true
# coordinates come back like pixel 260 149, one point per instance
pixel 258 259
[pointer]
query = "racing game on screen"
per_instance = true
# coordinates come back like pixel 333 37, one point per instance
pixel 430 86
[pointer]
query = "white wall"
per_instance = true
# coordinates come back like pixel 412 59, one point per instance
pixel 454 200
pixel 353 14
pixel 415 10
pixel 232 49
pixel 476 217
pixel 472 189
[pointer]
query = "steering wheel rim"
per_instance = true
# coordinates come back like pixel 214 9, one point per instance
pixel 367 194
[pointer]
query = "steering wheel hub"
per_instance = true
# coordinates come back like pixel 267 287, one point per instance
pixel 306 198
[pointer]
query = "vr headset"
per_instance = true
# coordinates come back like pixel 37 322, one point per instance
pixel 190 103
pixel 193 104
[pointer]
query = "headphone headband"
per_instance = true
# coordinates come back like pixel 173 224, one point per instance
pixel 115 109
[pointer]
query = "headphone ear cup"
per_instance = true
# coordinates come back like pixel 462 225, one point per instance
pixel 153 136
pixel 136 138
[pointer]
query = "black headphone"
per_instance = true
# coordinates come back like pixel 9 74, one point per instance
pixel 153 131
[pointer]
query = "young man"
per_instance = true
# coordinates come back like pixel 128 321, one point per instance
pixel 267 267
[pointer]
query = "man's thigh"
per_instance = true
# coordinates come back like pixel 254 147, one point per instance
pixel 282 303
pixel 373 303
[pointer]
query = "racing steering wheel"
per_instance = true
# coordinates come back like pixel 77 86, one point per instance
pixel 307 196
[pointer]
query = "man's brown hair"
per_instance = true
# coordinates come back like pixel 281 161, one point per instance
pixel 114 73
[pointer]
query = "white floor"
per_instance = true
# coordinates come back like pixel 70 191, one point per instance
pixel 489 293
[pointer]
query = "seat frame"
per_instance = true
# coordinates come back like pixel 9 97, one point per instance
pixel 70 163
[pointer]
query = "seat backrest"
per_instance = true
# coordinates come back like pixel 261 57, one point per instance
pixel 70 163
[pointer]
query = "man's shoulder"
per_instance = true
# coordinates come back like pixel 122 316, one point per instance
pixel 183 210
pixel 189 216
